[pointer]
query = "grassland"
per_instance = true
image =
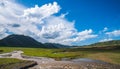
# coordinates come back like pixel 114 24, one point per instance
pixel 104 54
pixel 11 63
pixel 9 60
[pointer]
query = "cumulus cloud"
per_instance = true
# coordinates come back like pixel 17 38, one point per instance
pixel 114 33
pixel 10 11
pixel 80 36
pixel 39 23
pixel 36 14
pixel 104 40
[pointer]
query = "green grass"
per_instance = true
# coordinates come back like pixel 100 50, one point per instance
pixel 9 60
pixel 12 63
pixel 112 55
pixel 54 53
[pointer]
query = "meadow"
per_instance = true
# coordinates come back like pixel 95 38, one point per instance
pixel 107 55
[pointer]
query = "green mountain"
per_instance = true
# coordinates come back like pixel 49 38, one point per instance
pixel 20 41
pixel 26 41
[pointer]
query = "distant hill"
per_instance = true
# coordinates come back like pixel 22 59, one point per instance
pixel 56 45
pixel 26 41
pixel 107 43
pixel 103 46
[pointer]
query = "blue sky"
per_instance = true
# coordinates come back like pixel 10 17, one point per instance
pixel 86 13
pixel 99 19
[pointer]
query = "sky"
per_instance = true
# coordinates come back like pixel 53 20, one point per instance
pixel 68 22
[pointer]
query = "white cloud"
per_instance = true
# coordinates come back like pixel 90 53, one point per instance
pixel 36 14
pixel 114 33
pixel 2 32
pixel 105 29
pixel 80 36
pixel 104 40
pixel 39 23
pixel 10 11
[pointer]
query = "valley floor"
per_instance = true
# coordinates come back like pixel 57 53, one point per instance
pixel 108 55
pixel 49 63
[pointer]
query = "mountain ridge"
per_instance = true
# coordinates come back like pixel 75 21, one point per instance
pixel 26 41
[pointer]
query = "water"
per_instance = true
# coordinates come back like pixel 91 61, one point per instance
pixel 81 60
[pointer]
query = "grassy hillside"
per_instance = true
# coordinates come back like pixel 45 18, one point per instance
pixel 111 55
pixel 11 63
pixel 107 43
